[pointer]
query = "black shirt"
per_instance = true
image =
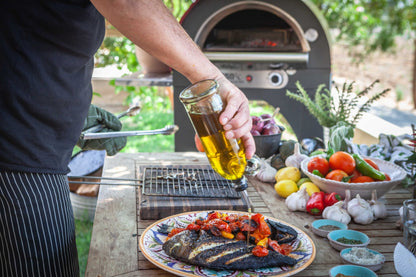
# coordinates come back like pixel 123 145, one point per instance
pixel 46 64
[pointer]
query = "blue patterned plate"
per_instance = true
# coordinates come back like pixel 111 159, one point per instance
pixel 151 243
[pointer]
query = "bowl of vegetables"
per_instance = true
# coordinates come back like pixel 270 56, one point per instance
pixel 342 239
pixel 267 135
pixel 360 175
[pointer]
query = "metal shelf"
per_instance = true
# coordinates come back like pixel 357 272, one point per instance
pixel 150 79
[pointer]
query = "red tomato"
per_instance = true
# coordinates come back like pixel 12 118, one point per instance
pixel 198 144
pixel 260 251
pixel 363 179
pixel 343 161
pixel 355 175
pixel 387 177
pixel 175 231
pixel 336 175
pixel 240 236
pixel 372 163
pixel 320 164
pixel 193 226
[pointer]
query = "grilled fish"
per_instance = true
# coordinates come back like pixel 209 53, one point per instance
pixel 203 249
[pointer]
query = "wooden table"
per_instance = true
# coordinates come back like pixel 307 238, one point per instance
pixel 114 247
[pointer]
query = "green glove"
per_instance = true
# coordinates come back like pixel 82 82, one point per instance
pixel 98 116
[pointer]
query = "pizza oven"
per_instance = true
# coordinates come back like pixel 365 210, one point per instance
pixel 264 47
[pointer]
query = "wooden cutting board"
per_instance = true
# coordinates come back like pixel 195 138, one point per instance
pixel 157 207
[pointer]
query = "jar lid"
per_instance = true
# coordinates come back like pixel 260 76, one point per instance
pixel 198 91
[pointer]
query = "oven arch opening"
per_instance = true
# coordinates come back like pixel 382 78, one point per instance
pixel 232 32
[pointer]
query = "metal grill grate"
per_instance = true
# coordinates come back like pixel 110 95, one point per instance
pixel 187 182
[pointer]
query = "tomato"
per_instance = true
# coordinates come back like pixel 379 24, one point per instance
pixel 260 251
pixel 198 144
pixel 343 161
pixel 175 231
pixel 355 175
pixel 193 226
pixel 336 175
pixel 262 225
pixel 387 177
pixel 213 215
pixel 372 163
pixel 240 236
pixel 363 179
pixel 320 164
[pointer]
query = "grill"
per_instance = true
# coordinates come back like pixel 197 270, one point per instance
pixel 186 182
pixel 173 189
pixel 263 47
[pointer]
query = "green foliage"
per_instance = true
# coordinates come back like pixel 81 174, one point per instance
pixel 337 106
pixel 340 132
pixel 83 230
pixel 373 24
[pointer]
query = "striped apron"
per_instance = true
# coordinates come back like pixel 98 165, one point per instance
pixel 37 231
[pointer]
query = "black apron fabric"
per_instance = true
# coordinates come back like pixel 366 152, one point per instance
pixel 46 64
pixel 37 232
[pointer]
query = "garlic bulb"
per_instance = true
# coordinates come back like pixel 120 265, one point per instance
pixel 337 212
pixel 360 210
pixel 296 158
pixel 378 207
pixel 266 172
pixel 297 200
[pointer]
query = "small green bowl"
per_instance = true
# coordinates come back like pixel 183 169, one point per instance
pixel 351 270
pixel 348 234
pixel 322 222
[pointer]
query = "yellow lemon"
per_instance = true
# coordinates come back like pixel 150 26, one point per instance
pixel 310 188
pixel 303 180
pixel 288 173
pixel 284 188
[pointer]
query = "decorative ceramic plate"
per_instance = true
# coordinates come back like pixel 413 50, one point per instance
pixel 151 243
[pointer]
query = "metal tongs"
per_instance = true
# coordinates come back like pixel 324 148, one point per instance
pixel 91 133
pixel 168 130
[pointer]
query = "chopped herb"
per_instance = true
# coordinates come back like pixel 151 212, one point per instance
pixel 344 240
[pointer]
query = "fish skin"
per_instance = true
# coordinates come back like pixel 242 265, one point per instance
pixel 193 247
pixel 281 232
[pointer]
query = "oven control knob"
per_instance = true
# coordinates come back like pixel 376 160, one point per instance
pixel 275 79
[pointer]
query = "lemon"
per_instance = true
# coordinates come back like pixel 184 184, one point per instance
pixel 303 180
pixel 284 188
pixel 310 188
pixel 288 173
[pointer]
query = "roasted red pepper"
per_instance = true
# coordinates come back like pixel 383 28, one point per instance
pixel 193 226
pixel 331 198
pixel 315 204
pixel 262 225
pixel 260 251
pixel 175 231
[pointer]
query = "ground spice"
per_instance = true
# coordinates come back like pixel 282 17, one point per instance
pixel 329 227
pixel 345 240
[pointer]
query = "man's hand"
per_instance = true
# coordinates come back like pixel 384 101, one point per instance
pixel 98 116
pixel 236 116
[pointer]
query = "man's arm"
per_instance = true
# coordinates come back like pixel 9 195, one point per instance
pixel 150 25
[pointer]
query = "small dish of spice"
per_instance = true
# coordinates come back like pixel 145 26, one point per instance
pixel 351 271
pixel 341 239
pixel 363 257
pixel 322 227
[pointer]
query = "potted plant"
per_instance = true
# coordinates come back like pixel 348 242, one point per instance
pixel 332 107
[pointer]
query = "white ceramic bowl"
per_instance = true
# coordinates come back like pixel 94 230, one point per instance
pixel 373 267
pixel 396 173
pixel 348 234
pixel 322 222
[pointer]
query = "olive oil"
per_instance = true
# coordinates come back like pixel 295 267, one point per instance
pixel 226 157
